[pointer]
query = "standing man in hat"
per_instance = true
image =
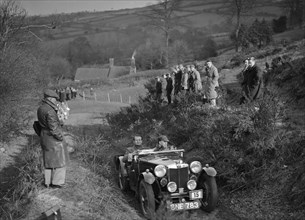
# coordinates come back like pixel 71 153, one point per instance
pixel 212 82
pixel 54 149
pixel 169 88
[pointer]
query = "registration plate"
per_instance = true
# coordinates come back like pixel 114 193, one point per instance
pixel 184 206
pixel 196 194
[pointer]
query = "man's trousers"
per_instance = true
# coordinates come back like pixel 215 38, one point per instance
pixel 55 176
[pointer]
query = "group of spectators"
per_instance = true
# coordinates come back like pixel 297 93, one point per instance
pixel 188 79
pixel 66 94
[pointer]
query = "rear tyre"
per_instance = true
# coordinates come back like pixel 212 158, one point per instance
pixel 210 193
pixel 147 200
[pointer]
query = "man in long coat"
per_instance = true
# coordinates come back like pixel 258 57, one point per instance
pixel 158 89
pixel 55 154
pixel 252 83
pixel 169 88
pixel 212 82
pixel 197 79
pixel 178 78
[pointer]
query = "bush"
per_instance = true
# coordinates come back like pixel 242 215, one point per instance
pixel 279 25
pixel 235 61
pixel 59 68
pixel 19 71
pixel 240 144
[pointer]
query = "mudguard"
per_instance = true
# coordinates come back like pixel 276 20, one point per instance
pixel 148 177
pixel 122 164
pixel 210 171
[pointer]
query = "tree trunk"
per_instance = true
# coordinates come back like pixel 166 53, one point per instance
pixel 167 48
pixel 237 31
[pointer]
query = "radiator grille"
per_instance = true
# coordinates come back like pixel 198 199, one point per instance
pixel 179 176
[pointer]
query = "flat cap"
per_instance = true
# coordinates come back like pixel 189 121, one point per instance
pixel 163 138
pixel 50 93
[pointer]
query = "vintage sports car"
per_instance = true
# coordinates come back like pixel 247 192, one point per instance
pixel 165 177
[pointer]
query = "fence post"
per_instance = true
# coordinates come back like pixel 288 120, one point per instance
pixel 95 96
pixel 84 95
pixel 121 98
pixel 108 97
pixel 129 99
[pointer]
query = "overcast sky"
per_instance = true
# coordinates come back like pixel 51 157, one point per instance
pixel 44 7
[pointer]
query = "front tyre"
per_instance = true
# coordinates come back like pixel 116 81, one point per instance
pixel 210 193
pixel 147 200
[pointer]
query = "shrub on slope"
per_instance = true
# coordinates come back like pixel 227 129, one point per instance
pixel 239 143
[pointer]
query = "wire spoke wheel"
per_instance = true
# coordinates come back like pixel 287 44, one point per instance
pixel 210 194
pixel 147 199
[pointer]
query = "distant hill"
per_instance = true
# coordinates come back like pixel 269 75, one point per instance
pixel 202 14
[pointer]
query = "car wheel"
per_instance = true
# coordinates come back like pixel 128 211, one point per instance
pixel 210 193
pixel 147 199
pixel 123 181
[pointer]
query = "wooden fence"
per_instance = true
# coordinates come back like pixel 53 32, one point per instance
pixel 109 97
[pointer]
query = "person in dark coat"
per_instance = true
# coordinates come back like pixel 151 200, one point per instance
pixel 252 83
pixel 243 75
pixel 191 79
pixel 62 95
pixel 178 78
pixel 54 149
pixel 169 88
pixel 158 89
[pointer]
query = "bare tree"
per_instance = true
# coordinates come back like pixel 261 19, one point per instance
pixel 238 8
pixel 162 16
pixel 13 23
pixel 11 20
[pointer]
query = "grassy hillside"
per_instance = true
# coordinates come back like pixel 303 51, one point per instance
pixel 258 154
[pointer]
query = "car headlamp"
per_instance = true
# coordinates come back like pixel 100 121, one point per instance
pixel 195 166
pixel 160 171
pixel 171 187
pixel 191 184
